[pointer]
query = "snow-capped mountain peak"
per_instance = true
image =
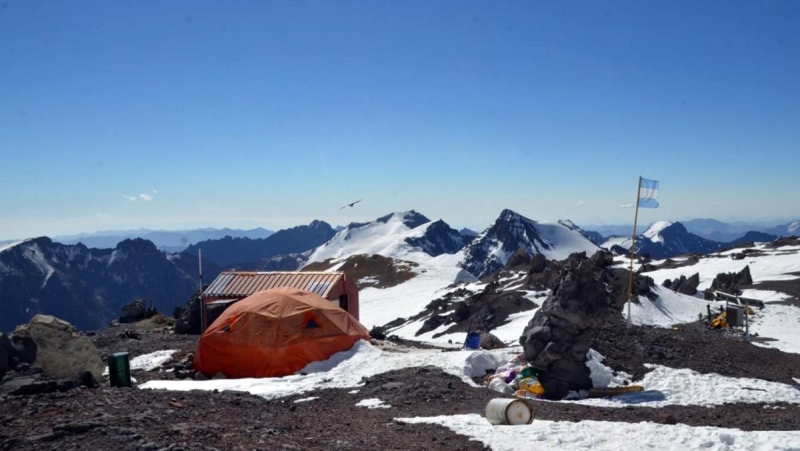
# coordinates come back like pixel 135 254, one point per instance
pixel 403 235
pixel 665 239
pixel 654 231
pixel 511 232
pixel 410 218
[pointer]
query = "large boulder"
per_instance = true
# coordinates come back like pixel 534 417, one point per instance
pixel 538 264
pixel 61 351
pixel 490 341
pixel 136 311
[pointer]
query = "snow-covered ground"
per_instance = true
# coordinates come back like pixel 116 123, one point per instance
pixel 776 322
pixel 607 435
pixel 663 386
pixel 433 276
pixel 775 264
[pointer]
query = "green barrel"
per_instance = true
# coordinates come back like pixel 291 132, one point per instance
pixel 119 370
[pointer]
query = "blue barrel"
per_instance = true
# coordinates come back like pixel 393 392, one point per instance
pixel 119 370
pixel 473 340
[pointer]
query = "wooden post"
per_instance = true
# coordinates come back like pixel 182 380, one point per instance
pixel 633 249
pixel 202 301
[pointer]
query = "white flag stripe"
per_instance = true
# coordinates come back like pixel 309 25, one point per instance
pixel 648 193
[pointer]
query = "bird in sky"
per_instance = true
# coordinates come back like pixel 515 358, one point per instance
pixel 351 204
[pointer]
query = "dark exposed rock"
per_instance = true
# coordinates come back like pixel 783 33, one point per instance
pixel 438 238
pixel 378 333
pixel 538 264
pixel 188 320
pixel 555 342
pixel 730 282
pixel 16 350
pixel 683 285
pixel 519 259
pixel 137 311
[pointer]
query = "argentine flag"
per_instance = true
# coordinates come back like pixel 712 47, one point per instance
pixel 648 193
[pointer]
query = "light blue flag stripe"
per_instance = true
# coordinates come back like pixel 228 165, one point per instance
pixel 648 194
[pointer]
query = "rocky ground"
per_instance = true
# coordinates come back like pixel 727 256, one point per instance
pixel 129 418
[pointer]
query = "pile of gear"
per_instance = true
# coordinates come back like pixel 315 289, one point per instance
pixel 517 378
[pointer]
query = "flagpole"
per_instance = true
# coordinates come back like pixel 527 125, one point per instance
pixel 633 249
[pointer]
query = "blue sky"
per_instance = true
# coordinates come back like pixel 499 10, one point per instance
pixel 275 113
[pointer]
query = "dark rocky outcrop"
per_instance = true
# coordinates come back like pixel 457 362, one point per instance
pixel 683 285
pixel 538 264
pixel 439 238
pixel 187 319
pixel 555 342
pixel 137 311
pixel 519 260
pixel 15 350
pixel 731 282
pixel 462 311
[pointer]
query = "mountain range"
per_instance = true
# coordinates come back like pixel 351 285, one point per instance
pixel 712 229
pixel 664 239
pixel 166 240
pixel 88 286
pixel 230 251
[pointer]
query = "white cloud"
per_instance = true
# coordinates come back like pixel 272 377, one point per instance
pixel 580 202
pixel 101 215
pixel 626 206
pixel 144 197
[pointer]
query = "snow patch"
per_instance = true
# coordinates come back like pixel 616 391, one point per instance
pixel 372 403
pixel 653 233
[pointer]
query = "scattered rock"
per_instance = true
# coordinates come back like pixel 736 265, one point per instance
pixel 490 341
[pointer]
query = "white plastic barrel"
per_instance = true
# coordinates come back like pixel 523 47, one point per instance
pixel 509 411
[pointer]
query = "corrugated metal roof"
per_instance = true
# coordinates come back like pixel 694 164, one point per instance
pixel 242 284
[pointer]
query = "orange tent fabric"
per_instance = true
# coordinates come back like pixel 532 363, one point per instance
pixel 275 332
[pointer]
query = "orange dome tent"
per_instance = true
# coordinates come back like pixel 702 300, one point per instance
pixel 275 332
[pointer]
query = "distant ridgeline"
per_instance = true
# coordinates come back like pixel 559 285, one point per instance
pixel 88 287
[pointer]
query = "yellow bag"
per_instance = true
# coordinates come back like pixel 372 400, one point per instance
pixel 532 385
